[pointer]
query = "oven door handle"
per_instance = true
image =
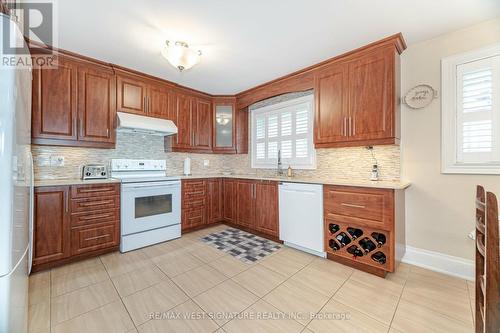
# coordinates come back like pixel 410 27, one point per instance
pixel 150 185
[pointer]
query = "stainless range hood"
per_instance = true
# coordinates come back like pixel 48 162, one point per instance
pixel 132 123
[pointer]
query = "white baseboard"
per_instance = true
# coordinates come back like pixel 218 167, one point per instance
pixel 440 262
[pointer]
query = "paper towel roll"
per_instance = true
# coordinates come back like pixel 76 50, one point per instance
pixel 187 166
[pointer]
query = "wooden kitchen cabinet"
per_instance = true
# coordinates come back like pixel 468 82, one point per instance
pixel 194 204
pixel 144 96
pixel 357 101
pixel 54 102
pixel 74 104
pixel 131 94
pixel 245 202
pixel 96 104
pixel 266 207
pixel 224 125
pixel 201 124
pixel 74 222
pixel 51 229
pixel 215 203
pixel 229 199
pixel 370 214
pixel 331 113
pixel 183 139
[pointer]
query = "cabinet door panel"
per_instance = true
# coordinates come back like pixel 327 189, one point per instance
pixel 371 94
pixel 184 128
pixel 202 125
pixel 131 96
pixel 54 102
pixel 214 200
pixel 266 208
pixel 161 102
pixel 96 104
pixel 52 225
pixel 245 203
pixel 229 197
pixel 331 105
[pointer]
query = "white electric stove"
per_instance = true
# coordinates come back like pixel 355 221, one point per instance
pixel 150 203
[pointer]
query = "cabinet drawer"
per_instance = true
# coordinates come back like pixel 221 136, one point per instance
pixel 90 239
pixel 93 204
pixel 194 188
pixel 194 203
pixel 362 203
pixel 97 217
pixel 194 217
pixel 84 191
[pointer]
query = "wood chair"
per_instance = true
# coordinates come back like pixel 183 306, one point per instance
pixel 487 263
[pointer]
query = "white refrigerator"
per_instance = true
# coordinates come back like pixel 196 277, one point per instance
pixel 16 189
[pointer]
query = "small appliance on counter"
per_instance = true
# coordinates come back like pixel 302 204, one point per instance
pixel 187 167
pixel 94 171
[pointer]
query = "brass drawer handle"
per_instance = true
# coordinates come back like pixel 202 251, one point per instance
pixel 95 203
pixel 85 218
pixel 352 205
pixel 96 237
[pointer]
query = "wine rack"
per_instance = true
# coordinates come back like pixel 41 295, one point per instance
pixel 357 236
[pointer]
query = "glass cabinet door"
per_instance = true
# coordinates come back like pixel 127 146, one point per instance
pixel 224 126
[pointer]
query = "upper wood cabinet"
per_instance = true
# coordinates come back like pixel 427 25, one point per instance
pixel 201 123
pixel 331 113
pixel 356 100
pixel 145 97
pixel 372 96
pixel 74 104
pixel 224 125
pixel 54 102
pixel 131 95
pixel 96 104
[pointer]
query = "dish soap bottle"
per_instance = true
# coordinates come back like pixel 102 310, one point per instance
pixel 374 175
pixel 289 172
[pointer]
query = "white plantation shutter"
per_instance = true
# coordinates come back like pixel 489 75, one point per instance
pixel 285 127
pixel 471 113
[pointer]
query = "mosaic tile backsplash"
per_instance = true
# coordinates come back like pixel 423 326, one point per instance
pixel 339 163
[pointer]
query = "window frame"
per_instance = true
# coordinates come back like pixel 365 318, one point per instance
pixel 274 108
pixel 449 114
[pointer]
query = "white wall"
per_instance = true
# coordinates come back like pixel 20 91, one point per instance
pixel 439 208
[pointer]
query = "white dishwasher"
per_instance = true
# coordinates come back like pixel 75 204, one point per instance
pixel 301 216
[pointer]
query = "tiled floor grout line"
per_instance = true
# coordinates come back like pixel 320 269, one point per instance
pixel 399 299
pixel 472 304
pixel 119 296
pixel 331 297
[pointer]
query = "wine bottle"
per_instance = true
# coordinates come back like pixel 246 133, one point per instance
pixel 355 251
pixel 354 232
pixel 379 257
pixel 333 228
pixel 333 245
pixel 367 245
pixel 379 238
pixel 343 239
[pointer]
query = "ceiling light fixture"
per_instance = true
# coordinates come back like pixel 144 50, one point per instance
pixel 180 55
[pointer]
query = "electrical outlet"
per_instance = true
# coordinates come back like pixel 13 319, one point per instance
pixel 56 161
pixel 206 163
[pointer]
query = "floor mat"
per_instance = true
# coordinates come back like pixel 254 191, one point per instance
pixel 240 244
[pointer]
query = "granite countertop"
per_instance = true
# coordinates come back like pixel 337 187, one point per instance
pixel 396 185
pixel 73 181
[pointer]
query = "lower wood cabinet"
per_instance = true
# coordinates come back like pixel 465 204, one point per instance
pixel 75 221
pixel 364 227
pixel 251 204
pixel 51 225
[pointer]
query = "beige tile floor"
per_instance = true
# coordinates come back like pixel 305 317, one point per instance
pixel 187 286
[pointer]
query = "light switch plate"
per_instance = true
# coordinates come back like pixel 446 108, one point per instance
pixel 56 161
pixel 206 163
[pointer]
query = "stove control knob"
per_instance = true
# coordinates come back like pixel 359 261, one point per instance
pixel 88 174
pixel 103 173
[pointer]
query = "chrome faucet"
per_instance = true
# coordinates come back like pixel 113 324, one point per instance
pixel 279 170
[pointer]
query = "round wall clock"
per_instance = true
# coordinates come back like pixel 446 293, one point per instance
pixel 420 96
